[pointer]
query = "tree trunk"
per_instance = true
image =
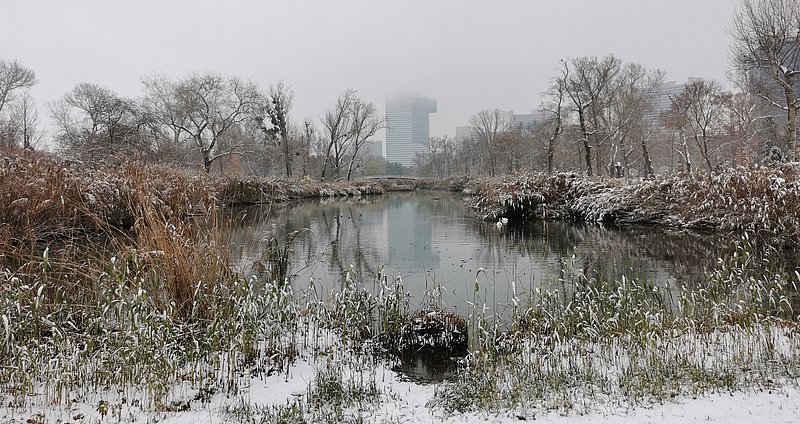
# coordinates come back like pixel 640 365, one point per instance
pixel 587 149
pixel 706 156
pixel 626 165
pixel 207 161
pixel 551 143
pixel 686 158
pixel 791 122
pixel 287 156
pixel 598 157
pixel 701 140
pixel 350 167
pixel 326 161
pixel 648 164
pixel 205 151
pixel 491 159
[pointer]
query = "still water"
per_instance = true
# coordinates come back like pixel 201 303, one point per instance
pixel 430 241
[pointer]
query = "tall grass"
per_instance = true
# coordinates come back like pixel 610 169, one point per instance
pixel 118 285
pixel 43 198
pixel 629 342
pixel 759 200
pixel 111 286
pixel 165 310
pixel 614 343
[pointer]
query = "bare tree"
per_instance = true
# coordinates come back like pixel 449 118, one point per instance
pixel 337 123
pixel 277 108
pixel 25 121
pixel 743 128
pixel 645 133
pixel 163 110
pixel 365 122
pixel 348 127
pixel 766 54
pixel 554 106
pixel 94 122
pixel 205 107
pixel 307 140
pixel 13 77
pixel 440 159
pixel 635 92
pixel 515 149
pixel 488 126
pixel 590 87
pixel 697 114
pixel 468 154
pixel 682 148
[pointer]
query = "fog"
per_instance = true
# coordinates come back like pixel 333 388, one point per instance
pixel 470 55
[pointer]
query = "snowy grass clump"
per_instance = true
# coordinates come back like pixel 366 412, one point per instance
pixel 131 347
pixel 624 344
pixel 763 200
pixel 542 196
pixel 115 305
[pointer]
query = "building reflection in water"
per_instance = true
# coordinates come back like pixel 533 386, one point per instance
pixel 429 240
pixel 409 238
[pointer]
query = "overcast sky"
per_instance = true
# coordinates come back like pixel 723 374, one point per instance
pixel 470 55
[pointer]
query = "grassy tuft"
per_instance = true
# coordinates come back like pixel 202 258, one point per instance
pixel 761 200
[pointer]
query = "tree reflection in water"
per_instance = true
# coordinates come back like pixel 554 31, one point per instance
pixel 429 240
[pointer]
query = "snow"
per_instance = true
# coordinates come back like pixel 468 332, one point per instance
pixel 406 402
pixel 775 406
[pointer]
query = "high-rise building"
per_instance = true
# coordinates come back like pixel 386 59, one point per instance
pixel 662 101
pixel 464 132
pixel 374 148
pixel 521 120
pixel 517 121
pixel 407 128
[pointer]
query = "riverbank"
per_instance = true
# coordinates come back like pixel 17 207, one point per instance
pixel 760 200
pixel 248 350
pixel 47 197
pixel 153 322
pixel 405 402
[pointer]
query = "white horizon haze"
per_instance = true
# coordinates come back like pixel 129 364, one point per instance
pixel 469 55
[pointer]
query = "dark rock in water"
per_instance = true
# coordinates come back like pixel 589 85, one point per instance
pixel 427 365
pixel 430 345
pixel 436 329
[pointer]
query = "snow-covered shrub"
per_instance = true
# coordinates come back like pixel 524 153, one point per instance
pixel 763 200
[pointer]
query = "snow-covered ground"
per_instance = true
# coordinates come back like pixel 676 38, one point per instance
pixel 405 402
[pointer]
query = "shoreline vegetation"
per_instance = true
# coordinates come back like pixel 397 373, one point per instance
pixel 50 196
pixel 115 305
pixel 759 200
pixel 46 193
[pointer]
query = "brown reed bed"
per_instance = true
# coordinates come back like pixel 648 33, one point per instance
pixel 134 300
pixel 47 198
pixel 64 222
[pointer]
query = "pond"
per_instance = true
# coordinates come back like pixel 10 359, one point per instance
pixel 431 242
pixel 442 253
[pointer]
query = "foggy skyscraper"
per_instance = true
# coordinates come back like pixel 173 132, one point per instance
pixel 407 128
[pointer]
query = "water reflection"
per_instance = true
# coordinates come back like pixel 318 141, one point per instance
pixel 409 230
pixel 427 365
pixel 429 240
